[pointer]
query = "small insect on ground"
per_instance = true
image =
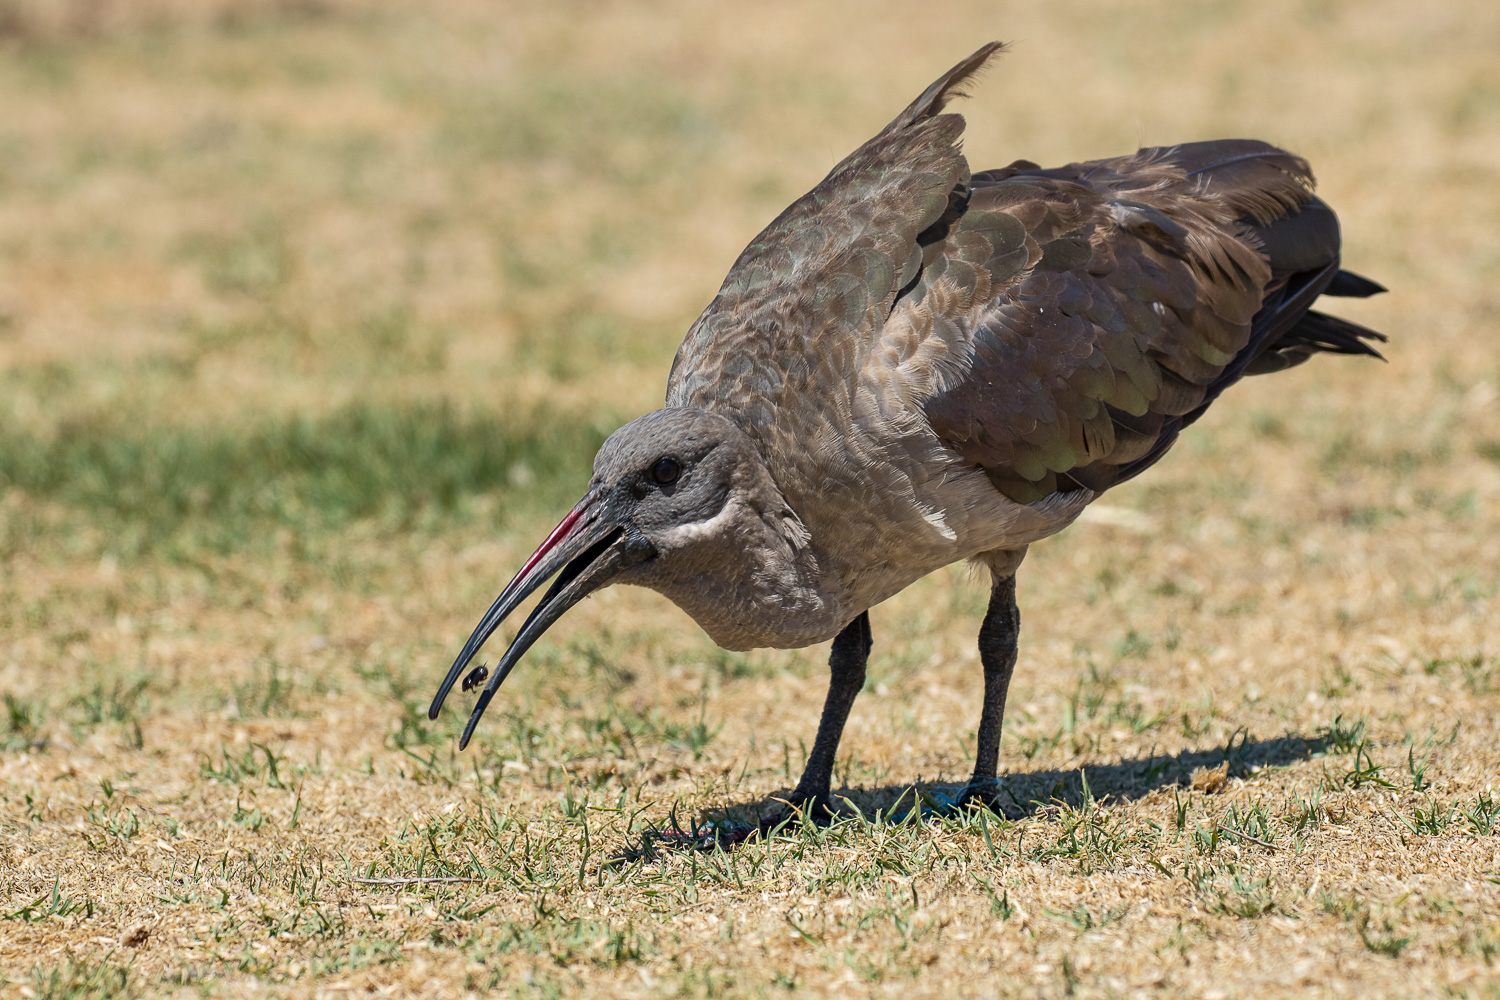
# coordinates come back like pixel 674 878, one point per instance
pixel 476 677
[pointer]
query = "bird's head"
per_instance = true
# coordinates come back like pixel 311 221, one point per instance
pixel 665 486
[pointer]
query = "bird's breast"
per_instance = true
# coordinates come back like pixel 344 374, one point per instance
pixel 753 610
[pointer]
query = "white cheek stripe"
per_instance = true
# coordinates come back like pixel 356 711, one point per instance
pixel 687 534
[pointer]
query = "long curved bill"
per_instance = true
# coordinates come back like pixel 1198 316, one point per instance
pixel 586 551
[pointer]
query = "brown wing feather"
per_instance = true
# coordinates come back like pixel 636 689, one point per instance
pixel 1140 293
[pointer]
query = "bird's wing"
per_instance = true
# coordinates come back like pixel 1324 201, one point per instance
pixel 1087 313
pixel 1149 284
pixel 799 305
pixel 1056 328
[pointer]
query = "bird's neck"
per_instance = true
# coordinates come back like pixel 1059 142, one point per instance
pixel 759 583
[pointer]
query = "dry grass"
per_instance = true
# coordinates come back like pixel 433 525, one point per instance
pixel 310 316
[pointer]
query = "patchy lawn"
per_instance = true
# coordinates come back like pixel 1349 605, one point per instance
pixel 311 317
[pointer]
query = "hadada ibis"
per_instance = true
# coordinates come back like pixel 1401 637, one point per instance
pixel 916 364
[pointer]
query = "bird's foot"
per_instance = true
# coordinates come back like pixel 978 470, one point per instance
pixel 933 802
pixel 796 809
pixel 981 792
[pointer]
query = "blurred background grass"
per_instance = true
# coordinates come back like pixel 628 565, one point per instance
pixel 313 312
pixel 225 224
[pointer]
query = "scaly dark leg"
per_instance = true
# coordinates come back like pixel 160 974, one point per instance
pixel 997 652
pixel 846 663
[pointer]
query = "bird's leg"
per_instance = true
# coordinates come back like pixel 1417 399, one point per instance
pixel 846 663
pixel 997 653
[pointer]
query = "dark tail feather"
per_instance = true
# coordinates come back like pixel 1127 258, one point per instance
pixel 1350 285
pixel 1332 335
pixel 1315 333
pixel 1303 251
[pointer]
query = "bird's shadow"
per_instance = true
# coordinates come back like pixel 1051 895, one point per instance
pixel 1020 793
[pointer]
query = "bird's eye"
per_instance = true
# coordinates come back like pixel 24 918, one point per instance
pixel 666 470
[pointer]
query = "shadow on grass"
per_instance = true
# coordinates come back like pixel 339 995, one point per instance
pixel 1024 793
pixel 1020 794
